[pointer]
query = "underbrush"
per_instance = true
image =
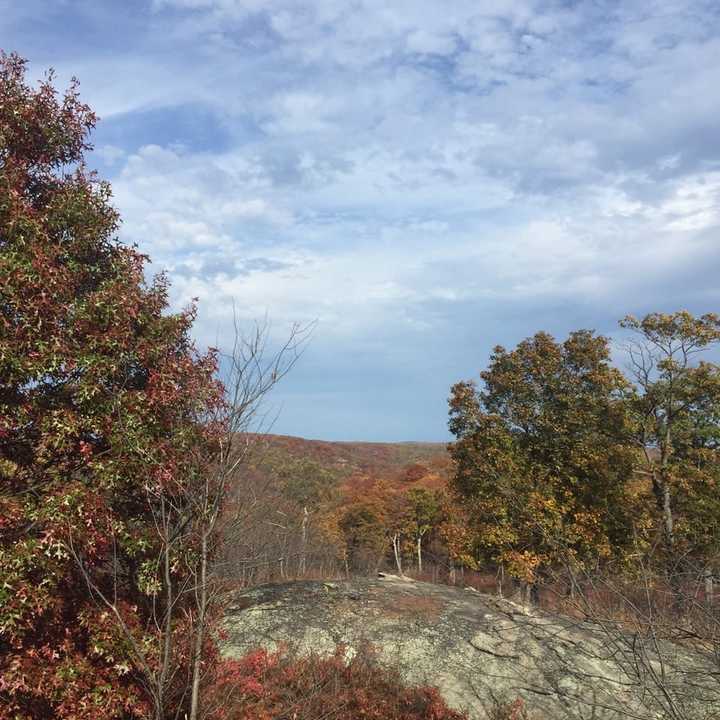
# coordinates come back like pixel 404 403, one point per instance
pixel 281 686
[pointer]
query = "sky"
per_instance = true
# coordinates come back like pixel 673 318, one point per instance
pixel 425 179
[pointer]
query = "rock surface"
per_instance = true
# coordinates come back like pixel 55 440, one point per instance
pixel 480 649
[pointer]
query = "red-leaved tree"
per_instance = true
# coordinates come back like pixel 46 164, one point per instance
pixel 105 435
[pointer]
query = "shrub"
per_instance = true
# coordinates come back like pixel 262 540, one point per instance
pixel 279 685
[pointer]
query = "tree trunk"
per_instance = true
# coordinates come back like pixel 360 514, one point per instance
pixel 396 550
pixel 709 588
pixel 661 489
pixel 165 669
pixel 199 632
pixel 419 553
pixel 303 540
pixel 663 494
pixel 530 593
pixel 665 507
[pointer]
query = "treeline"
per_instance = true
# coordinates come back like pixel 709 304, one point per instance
pixel 600 487
pixel 565 468
pixel 321 519
pixel 572 483
pixel 566 464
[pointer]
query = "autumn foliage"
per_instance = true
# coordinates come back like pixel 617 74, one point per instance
pixel 565 465
pixel 540 457
pixel 113 481
pixel 103 401
pixel 114 458
pixel 269 686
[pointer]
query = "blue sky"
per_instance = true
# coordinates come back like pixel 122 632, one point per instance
pixel 425 179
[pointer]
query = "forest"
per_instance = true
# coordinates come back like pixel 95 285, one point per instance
pixel 139 490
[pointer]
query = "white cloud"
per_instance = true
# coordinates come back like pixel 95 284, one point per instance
pixel 427 43
pixel 694 204
pixel 413 173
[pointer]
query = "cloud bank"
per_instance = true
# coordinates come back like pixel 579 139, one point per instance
pixel 425 179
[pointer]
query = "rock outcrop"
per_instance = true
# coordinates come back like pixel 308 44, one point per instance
pixel 479 649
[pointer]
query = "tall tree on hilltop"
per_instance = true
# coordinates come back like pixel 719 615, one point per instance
pixel 676 408
pixel 104 409
pixel 540 456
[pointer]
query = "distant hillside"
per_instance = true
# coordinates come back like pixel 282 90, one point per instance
pixel 314 508
pixel 366 458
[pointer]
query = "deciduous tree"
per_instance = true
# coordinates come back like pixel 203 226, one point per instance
pixel 676 409
pixel 541 460
pixel 104 408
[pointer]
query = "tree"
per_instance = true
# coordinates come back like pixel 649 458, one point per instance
pixel 424 515
pixel 104 437
pixel 251 374
pixel 541 461
pixel 676 408
pixel 364 526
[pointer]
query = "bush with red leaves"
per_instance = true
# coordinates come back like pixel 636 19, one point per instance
pixel 278 686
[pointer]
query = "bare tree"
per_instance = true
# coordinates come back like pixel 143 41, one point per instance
pixel 669 665
pixel 252 371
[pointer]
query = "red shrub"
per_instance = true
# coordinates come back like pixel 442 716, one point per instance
pixel 275 686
